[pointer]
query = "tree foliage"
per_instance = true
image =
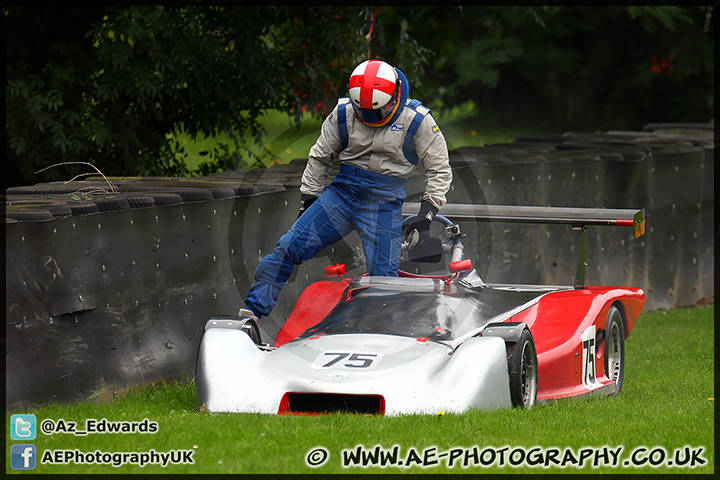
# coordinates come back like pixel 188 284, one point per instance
pixel 564 67
pixel 108 84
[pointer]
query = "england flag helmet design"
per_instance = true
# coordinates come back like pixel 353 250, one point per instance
pixel 377 91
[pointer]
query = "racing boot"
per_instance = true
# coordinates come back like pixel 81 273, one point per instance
pixel 244 312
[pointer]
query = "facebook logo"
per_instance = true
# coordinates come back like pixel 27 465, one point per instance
pixel 23 427
pixel 22 457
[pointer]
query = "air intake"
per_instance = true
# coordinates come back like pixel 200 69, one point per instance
pixel 320 403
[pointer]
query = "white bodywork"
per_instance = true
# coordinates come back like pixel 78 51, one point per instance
pixel 413 376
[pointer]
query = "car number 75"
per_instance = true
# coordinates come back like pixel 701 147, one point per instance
pixel 352 360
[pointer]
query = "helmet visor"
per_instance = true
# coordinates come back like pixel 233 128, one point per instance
pixel 379 116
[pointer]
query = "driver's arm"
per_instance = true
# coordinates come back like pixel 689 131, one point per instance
pixel 321 157
pixel 432 151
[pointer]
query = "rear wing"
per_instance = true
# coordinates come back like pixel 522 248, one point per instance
pixel 577 218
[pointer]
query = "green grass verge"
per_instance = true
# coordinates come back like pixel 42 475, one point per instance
pixel 284 141
pixel 667 403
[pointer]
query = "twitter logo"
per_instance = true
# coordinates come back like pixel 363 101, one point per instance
pixel 23 427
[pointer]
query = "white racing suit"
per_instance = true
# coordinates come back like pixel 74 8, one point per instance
pixel 366 195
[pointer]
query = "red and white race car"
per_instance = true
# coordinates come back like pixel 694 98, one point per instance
pixel 419 344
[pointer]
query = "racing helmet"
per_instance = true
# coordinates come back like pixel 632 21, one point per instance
pixel 375 92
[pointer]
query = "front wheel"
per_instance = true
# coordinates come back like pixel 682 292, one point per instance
pixel 522 370
pixel 615 347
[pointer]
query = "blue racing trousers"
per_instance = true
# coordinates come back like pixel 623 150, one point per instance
pixel 356 199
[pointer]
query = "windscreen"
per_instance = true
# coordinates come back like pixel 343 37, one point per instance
pixel 406 314
pixel 429 310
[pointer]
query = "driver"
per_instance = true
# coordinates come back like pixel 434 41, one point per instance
pixel 379 136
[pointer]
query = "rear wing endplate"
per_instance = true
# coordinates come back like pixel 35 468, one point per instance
pixel 577 218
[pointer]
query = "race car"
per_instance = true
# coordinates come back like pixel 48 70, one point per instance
pixel 423 344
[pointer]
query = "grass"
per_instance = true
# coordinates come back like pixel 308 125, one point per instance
pixel 667 402
pixel 283 141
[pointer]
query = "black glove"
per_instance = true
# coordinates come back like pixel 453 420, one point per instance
pixel 305 202
pixel 422 247
pixel 424 219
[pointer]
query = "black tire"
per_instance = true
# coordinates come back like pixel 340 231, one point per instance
pixel 28 214
pixel 522 371
pixel 166 198
pixel 140 201
pixel 222 192
pixel 111 204
pixel 190 195
pixel 614 348
pixel 267 188
pixel 244 190
pixel 57 188
pixel 59 209
pixel 83 207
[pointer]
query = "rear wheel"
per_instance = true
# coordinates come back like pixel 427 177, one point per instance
pixel 615 347
pixel 522 370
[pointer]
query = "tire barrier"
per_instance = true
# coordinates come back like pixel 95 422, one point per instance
pixel 109 285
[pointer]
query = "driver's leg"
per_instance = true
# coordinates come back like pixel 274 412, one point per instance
pixel 378 221
pixel 325 222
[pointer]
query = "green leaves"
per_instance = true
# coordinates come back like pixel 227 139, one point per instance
pixel 479 62
pixel 107 84
pixel 560 67
pixel 654 18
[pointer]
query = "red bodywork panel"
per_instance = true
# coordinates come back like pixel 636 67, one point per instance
pixel 556 321
pixel 315 302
